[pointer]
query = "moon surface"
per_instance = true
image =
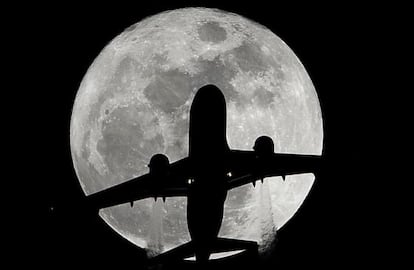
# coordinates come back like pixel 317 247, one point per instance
pixel 134 102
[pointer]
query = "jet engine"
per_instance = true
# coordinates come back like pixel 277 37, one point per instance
pixel 264 146
pixel 159 165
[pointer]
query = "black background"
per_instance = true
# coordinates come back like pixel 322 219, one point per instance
pixel 339 47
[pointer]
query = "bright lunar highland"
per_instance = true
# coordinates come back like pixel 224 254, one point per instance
pixel 134 102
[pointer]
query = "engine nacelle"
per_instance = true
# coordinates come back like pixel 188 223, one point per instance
pixel 264 146
pixel 159 164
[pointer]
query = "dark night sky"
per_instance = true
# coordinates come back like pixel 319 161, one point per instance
pixel 336 44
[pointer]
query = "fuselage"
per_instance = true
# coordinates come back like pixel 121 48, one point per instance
pixel 207 150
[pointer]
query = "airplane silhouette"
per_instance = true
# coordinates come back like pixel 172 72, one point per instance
pixel 204 177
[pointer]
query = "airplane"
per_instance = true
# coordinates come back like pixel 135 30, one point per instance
pixel 204 177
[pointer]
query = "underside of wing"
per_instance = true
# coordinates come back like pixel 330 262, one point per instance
pixel 171 182
pixel 247 167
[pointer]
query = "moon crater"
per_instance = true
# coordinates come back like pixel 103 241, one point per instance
pixel 212 32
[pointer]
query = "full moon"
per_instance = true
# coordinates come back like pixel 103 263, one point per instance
pixel 134 102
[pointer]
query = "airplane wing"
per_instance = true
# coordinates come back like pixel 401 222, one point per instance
pixel 172 183
pixel 246 167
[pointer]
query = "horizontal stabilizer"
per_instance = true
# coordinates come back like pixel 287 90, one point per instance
pixel 220 245
pixel 174 255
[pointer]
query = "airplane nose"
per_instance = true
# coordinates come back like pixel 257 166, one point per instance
pixel 209 102
pixel 210 92
pixel 208 122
